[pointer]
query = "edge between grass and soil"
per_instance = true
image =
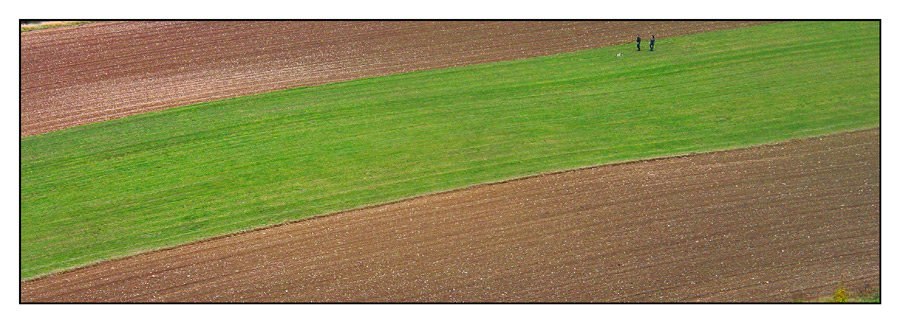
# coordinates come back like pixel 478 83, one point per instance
pixel 52 24
pixel 135 159
pixel 843 295
pixel 863 296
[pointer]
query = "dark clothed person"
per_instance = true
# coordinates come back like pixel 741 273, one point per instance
pixel 652 41
pixel 639 43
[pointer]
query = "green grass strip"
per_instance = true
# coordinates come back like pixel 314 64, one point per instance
pixel 30 27
pixel 158 179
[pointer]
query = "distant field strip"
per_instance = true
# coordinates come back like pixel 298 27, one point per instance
pixel 120 187
pixel 109 70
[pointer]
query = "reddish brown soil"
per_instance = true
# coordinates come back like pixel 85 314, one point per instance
pixel 772 224
pixel 78 75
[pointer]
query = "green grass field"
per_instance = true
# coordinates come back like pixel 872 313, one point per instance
pixel 119 187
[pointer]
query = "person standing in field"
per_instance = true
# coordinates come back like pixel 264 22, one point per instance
pixel 639 42
pixel 652 41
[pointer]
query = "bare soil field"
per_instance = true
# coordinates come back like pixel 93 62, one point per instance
pixel 773 223
pixel 79 75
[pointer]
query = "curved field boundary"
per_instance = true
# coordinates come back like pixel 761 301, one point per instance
pixel 161 179
pixel 102 71
pixel 770 223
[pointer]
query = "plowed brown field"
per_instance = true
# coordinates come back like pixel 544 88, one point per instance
pixel 771 223
pixel 78 75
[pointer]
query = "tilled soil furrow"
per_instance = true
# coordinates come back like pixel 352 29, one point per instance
pixel 90 73
pixel 770 223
